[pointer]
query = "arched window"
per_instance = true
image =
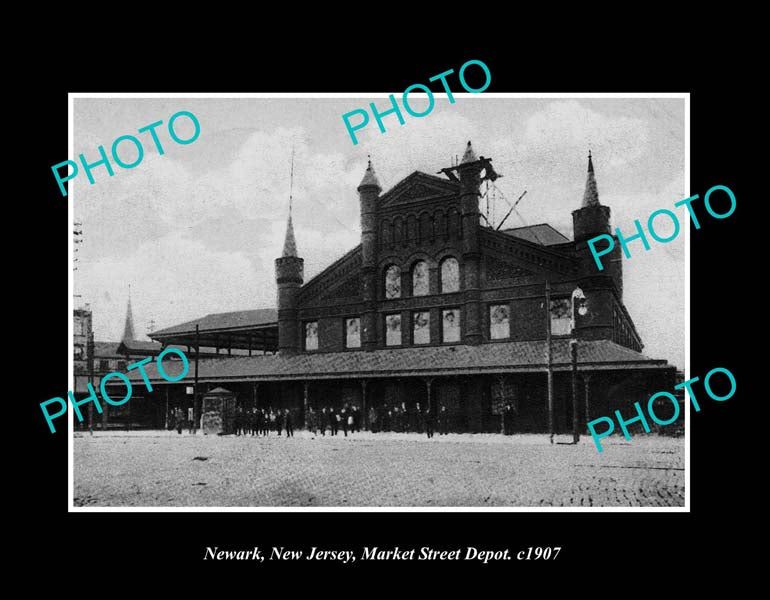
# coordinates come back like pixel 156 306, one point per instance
pixel 392 282
pixel 411 228
pixel 454 223
pixel 420 285
pixel 499 323
pixel 450 275
pixel 311 335
pixel 426 228
pixel 440 221
pixel 353 333
pixel 398 230
pixel 386 233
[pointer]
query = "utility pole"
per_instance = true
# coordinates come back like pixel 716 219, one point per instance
pixel 196 401
pixel 577 296
pixel 549 360
pixel 90 365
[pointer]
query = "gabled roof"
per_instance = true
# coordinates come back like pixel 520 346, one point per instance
pixel 137 347
pixel 107 350
pixel 542 233
pixel 219 391
pixel 228 320
pixel 422 186
pixel 504 357
pixel 315 285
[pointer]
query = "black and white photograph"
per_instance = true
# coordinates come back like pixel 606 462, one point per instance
pixel 416 321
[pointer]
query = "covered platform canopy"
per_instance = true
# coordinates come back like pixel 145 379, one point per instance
pixel 433 361
pixel 250 330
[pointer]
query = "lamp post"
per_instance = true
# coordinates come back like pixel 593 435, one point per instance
pixel 549 357
pixel 579 303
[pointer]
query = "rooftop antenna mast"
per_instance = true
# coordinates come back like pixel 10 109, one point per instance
pixel 291 181
pixel 513 208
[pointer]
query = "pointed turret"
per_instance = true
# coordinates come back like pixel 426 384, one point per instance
pixel 470 155
pixel 592 218
pixel 128 330
pixel 370 178
pixel 469 174
pixel 369 198
pixel 289 275
pixel 289 243
pixel 591 195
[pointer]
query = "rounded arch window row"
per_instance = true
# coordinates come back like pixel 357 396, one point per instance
pixel 419 278
pixel 422 228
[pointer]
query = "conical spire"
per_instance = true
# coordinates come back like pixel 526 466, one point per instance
pixel 289 244
pixel 591 196
pixel 470 155
pixel 370 178
pixel 128 331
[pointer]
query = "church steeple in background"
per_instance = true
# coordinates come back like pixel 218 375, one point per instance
pixel 128 330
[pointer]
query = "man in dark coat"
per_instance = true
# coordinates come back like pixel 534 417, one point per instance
pixel 443 420
pixel 343 417
pixel 288 424
pixel 507 420
pixel 428 422
pixel 279 421
pixel 311 423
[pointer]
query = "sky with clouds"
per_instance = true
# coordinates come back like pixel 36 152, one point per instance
pixel 196 230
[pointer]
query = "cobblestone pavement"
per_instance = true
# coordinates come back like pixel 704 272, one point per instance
pixel 153 469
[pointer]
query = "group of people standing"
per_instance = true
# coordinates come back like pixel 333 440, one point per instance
pixel 409 418
pixel 401 418
pixel 256 421
pixel 348 418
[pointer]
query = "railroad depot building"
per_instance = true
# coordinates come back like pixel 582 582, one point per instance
pixel 434 307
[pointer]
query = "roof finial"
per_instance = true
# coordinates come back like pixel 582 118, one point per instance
pixel 370 177
pixel 291 181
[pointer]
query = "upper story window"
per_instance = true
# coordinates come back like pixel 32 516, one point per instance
pixel 393 330
pixel 450 276
pixel 353 333
pixel 499 322
pixel 560 316
pixel 420 285
pixel 104 365
pixel 450 325
pixel 311 335
pixel 421 330
pixel 392 282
